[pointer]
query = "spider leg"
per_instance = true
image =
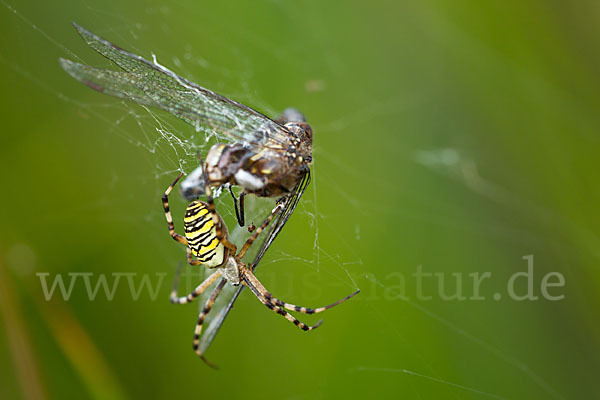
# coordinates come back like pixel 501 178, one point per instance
pixel 197 292
pixel 165 203
pixel 266 298
pixel 217 222
pixel 292 307
pixel 190 259
pixel 207 306
pixel 239 212
pixel 257 232
pixel 307 310
pixel 241 199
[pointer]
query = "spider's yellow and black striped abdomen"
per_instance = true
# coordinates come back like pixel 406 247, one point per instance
pixel 200 233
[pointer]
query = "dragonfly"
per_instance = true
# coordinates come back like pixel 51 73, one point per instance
pixel 266 157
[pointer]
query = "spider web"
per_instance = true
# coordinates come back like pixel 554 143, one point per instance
pixel 172 146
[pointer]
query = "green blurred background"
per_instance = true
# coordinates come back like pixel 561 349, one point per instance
pixel 457 136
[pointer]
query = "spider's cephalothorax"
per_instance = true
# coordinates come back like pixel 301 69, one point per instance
pixel 207 242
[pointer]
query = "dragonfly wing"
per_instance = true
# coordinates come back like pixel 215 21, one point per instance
pixel 115 83
pixel 216 322
pixel 130 86
pixel 202 108
pixel 221 309
pixel 291 203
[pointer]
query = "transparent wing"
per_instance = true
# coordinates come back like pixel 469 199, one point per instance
pixel 217 321
pixel 153 85
pixel 115 83
pixel 220 310
pixel 290 205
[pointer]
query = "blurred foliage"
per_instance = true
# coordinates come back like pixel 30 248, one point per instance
pixel 457 136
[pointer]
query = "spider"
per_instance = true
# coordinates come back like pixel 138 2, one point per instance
pixel 207 243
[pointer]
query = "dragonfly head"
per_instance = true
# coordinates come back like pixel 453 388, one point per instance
pixel 303 137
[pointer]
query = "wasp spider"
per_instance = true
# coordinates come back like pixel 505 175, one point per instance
pixel 207 242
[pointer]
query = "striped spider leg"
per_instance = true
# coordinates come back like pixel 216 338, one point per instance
pixel 207 242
